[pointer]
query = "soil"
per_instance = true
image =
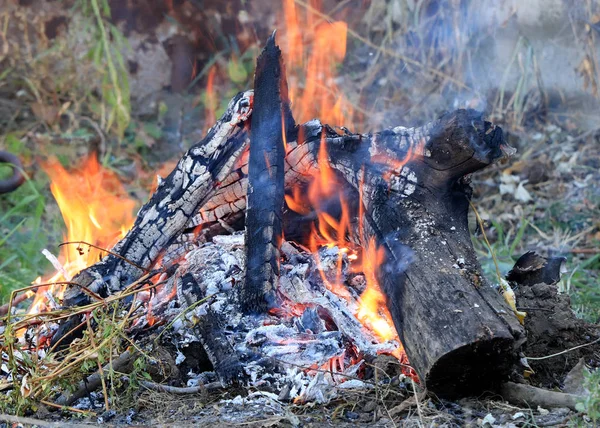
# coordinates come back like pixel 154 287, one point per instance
pixel 552 327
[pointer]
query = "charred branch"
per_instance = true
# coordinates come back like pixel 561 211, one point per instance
pixel 161 220
pixel 271 120
pixel 210 329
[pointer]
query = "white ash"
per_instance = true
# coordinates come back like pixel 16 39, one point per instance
pixel 460 263
pixel 277 350
pixel 256 405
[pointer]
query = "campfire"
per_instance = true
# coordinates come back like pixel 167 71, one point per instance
pixel 284 252
pixel 267 309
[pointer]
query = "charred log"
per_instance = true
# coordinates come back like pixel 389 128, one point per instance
pixel 458 333
pixel 160 221
pixel 271 119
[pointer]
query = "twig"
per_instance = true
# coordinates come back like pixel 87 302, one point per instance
pixel 70 409
pixel 518 394
pixel 408 403
pixel 534 309
pixel 100 369
pixel 585 250
pixel 37 422
pixel 418 401
pixel 179 390
pixel 107 251
pixel 492 252
pixel 95 380
pixel 563 352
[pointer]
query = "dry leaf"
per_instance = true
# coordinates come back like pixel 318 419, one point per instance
pixel 45 113
pixel 588 72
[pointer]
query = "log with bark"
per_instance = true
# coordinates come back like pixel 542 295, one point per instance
pixel 414 193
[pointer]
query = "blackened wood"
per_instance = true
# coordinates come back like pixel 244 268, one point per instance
pixel 458 333
pixel 211 332
pixel 160 221
pixel 271 120
pixel 531 269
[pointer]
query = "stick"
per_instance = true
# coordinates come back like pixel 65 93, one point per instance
pixel 95 380
pixel 530 395
pixel 179 390
pixel 271 118
pixel 37 422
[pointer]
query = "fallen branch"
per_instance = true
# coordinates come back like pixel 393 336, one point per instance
pixel 179 390
pixel 532 396
pixel 37 422
pixel 94 381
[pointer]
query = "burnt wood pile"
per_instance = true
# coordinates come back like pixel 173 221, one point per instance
pixel 411 193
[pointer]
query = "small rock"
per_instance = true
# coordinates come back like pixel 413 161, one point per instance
pixel 284 394
pixel 518 415
pixel 489 420
pixel 370 406
pixel 351 415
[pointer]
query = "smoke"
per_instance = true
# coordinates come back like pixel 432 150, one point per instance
pixel 507 58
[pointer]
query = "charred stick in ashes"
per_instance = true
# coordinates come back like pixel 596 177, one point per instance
pixel 271 120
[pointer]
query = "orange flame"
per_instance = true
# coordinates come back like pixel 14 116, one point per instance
pixel 372 310
pixel 329 231
pixel 210 101
pixel 313 53
pixel 95 208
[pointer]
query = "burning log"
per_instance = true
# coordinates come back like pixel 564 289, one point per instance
pixel 411 195
pixel 271 121
pixel 162 219
pixel 458 334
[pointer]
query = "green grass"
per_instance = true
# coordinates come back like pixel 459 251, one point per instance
pixel 580 282
pixel 24 233
pixel 504 247
pixel 582 285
